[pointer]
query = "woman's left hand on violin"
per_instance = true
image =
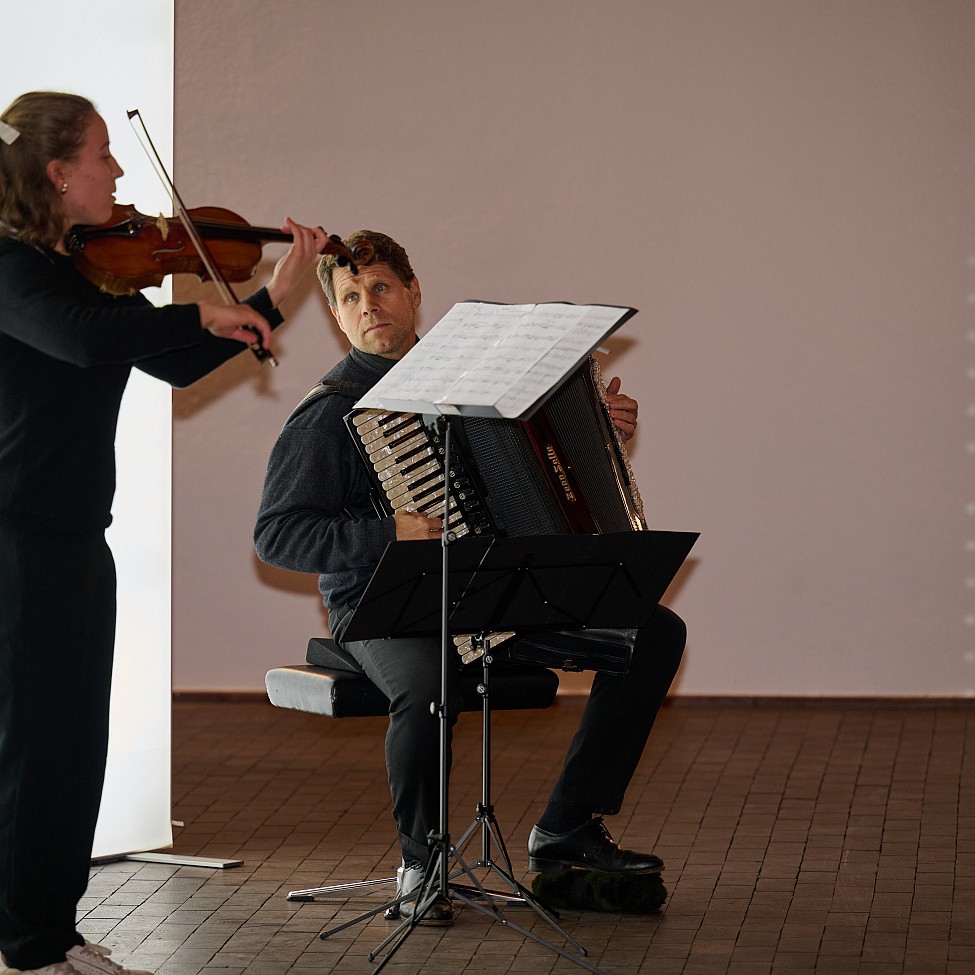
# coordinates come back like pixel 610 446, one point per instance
pixel 238 322
pixel 307 246
pixel 622 409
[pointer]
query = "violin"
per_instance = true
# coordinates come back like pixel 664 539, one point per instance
pixel 132 251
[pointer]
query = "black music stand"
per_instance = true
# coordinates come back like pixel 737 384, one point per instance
pixel 534 583
pixel 500 361
pixel 530 583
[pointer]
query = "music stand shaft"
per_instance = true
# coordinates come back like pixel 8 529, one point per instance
pixel 440 845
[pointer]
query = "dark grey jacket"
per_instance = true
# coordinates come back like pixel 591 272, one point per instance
pixel 316 514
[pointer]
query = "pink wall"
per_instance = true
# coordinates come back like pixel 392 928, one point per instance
pixel 784 190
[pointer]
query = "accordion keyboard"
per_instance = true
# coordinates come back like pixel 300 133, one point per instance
pixel 407 458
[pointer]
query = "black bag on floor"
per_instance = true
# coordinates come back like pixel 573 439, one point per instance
pixel 599 890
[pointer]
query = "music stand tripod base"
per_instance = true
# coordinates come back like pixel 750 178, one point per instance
pixel 473 894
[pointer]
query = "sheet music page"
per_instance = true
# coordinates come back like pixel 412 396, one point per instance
pixel 493 360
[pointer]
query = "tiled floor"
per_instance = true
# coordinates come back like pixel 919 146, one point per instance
pixel 798 838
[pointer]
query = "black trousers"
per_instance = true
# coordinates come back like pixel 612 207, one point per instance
pixel 57 636
pixel 601 758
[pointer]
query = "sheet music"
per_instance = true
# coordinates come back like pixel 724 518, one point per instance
pixel 494 360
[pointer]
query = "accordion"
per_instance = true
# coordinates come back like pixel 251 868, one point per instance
pixel 562 471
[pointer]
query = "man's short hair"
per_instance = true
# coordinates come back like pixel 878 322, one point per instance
pixel 386 251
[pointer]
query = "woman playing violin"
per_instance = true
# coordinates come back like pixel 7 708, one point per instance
pixel 66 351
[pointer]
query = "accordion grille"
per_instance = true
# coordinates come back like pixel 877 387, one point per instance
pixel 514 486
pixel 585 432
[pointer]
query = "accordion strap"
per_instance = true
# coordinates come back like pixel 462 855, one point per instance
pixel 326 387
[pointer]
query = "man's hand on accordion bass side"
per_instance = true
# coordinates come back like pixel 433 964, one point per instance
pixel 411 526
pixel 622 409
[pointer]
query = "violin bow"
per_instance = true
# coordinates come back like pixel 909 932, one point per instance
pixel 216 275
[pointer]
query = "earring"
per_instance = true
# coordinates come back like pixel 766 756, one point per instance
pixel 64 188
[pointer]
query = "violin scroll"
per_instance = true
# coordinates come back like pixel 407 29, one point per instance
pixel 363 253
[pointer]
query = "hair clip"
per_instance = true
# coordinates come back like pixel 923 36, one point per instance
pixel 8 133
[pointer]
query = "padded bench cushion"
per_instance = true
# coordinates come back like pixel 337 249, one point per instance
pixel 339 691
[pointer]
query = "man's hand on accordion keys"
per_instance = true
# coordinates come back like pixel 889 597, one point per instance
pixel 411 526
pixel 622 409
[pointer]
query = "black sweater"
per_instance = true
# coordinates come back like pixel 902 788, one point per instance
pixel 66 351
pixel 316 512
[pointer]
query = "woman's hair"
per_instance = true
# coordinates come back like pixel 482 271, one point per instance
pixel 386 251
pixel 43 125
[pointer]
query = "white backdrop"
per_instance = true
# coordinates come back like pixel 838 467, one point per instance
pixel 120 55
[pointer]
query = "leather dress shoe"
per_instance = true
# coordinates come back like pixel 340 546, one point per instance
pixel 589 846
pixel 410 879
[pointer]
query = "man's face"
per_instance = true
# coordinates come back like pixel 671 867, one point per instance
pixel 376 310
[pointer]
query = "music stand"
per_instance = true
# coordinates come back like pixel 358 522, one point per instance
pixel 503 361
pixel 530 583
pixel 490 584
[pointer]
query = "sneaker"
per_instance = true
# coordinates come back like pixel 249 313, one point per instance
pixel 92 959
pixel 409 880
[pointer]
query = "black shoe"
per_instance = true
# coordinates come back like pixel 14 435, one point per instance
pixel 589 846
pixel 409 880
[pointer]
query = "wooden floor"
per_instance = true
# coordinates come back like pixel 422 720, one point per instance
pixel 798 838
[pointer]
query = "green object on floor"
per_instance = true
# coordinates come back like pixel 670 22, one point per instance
pixel 598 890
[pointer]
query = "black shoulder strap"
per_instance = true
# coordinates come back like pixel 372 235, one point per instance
pixel 324 387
